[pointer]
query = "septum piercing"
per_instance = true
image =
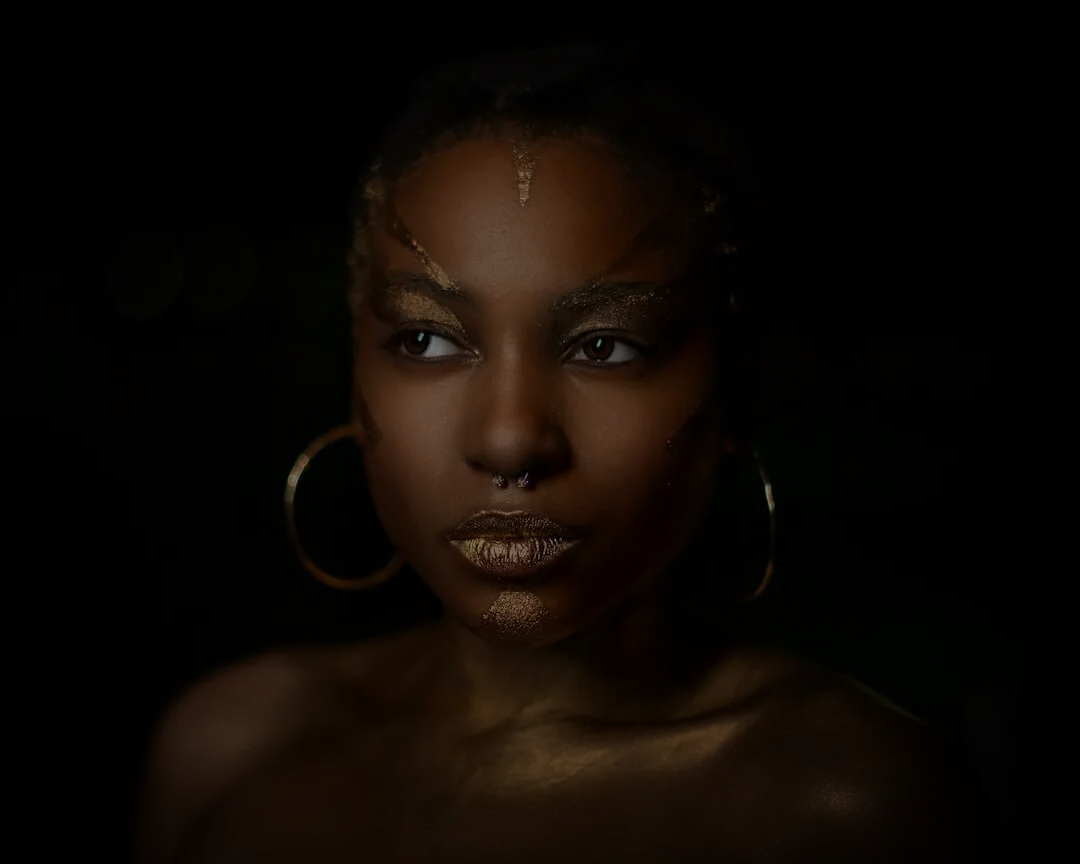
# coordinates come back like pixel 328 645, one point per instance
pixel 523 482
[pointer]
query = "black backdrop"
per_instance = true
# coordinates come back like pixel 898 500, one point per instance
pixel 185 241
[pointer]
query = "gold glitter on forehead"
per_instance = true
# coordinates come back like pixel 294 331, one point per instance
pixel 385 215
pixel 654 235
pixel 672 228
pixel 525 163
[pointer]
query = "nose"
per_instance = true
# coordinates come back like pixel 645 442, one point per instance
pixel 515 423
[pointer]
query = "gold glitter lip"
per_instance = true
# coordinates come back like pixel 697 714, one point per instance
pixel 509 525
pixel 515 543
pixel 520 557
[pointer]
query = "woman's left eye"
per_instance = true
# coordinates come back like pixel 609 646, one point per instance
pixel 606 351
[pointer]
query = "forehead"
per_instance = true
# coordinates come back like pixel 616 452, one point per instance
pixel 463 204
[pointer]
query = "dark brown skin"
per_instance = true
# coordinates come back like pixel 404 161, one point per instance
pixel 602 734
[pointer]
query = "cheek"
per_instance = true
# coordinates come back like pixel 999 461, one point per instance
pixel 405 456
pixel 647 499
pixel 402 431
pixel 641 446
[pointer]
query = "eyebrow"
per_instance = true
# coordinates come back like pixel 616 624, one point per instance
pixel 597 294
pixel 421 283
pixel 583 298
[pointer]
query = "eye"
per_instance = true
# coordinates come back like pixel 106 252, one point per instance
pixel 599 349
pixel 425 345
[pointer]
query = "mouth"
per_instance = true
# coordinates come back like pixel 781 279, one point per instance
pixel 516 544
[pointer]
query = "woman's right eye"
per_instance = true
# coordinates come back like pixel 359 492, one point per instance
pixel 425 345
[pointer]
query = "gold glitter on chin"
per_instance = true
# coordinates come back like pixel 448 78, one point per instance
pixel 518 616
pixel 525 163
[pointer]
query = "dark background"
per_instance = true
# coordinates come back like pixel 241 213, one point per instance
pixel 182 241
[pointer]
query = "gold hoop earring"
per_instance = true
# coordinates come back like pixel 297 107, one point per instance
pixel 372 580
pixel 766 484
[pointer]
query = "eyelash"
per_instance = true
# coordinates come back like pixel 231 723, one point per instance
pixel 396 344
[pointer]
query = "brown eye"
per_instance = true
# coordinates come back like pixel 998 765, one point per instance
pixel 598 348
pixel 416 343
pixel 602 350
pixel 423 344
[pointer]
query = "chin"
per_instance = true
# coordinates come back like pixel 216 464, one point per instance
pixel 524 611
pixel 510 614
pixel 519 615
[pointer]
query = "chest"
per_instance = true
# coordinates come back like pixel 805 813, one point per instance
pixel 411 792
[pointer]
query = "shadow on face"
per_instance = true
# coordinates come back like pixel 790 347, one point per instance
pixel 532 341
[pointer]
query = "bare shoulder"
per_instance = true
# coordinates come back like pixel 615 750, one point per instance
pixel 859 778
pixel 242 719
pixel 217 730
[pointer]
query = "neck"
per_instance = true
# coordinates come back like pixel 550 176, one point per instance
pixel 635 662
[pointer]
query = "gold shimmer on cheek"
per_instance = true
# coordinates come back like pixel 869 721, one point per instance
pixel 525 163
pixel 517 615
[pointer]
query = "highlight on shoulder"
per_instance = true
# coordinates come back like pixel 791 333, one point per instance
pixel 865 780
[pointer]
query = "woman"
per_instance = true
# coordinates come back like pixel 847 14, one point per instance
pixel 548 275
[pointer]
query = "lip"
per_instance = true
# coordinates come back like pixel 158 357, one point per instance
pixel 509 525
pixel 512 544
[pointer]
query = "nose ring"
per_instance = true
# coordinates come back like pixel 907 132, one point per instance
pixel 524 481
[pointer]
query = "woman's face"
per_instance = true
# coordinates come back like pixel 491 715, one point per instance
pixel 533 328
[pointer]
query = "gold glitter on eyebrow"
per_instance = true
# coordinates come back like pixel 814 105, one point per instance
pixel 416 307
pixel 525 163
pixel 623 294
